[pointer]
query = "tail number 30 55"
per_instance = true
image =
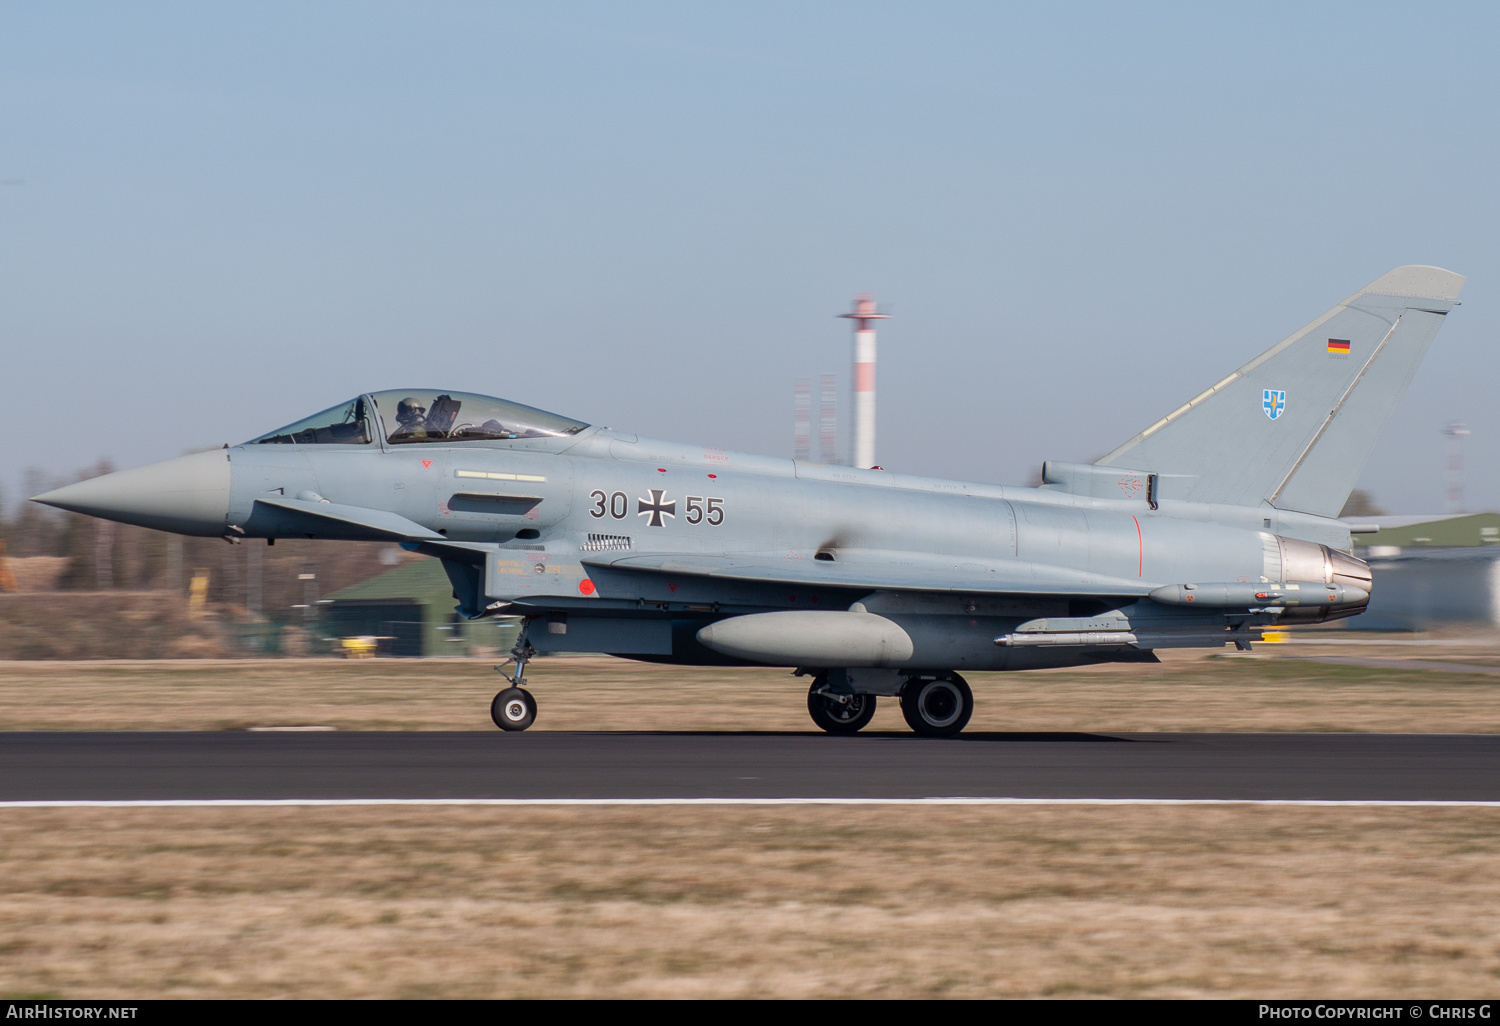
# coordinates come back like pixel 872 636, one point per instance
pixel 697 509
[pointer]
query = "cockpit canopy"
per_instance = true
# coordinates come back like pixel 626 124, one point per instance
pixel 417 416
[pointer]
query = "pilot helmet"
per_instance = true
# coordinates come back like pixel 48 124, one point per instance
pixel 410 409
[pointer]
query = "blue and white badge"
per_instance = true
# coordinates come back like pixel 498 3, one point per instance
pixel 1273 401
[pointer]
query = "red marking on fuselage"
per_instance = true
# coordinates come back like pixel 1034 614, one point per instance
pixel 1140 548
pixel 586 586
pixel 426 464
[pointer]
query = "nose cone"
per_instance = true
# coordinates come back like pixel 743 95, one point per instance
pixel 187 495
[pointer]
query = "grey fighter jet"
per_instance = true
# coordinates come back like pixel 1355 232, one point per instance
pixel 1214 524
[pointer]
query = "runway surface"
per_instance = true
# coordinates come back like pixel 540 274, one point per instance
pixel 558 765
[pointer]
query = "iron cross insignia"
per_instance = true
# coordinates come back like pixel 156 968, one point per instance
pixel 656 507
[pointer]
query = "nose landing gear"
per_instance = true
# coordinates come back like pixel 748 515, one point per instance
pixel 514 708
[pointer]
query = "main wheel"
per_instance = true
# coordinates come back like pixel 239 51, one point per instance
pixel 937 707
pixel 837 717
pixel 513 709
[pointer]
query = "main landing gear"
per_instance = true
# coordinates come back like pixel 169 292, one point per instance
pixel 514 708
pixel 937 706
pixel 932 706
pixel 838 714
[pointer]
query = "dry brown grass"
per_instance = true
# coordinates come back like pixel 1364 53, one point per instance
pixel 1188 692
pixel 783 902
pixel 734 901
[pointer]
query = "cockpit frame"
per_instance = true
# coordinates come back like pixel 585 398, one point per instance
pixel 403 419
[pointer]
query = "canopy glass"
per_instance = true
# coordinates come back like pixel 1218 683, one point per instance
pixel 424 415
pixel 414 416
pixel 346 424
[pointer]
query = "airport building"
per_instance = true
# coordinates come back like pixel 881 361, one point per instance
pixel 1432 571
pixel 410 612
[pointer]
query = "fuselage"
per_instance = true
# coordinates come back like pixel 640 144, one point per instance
pixel 667 497
pixel 610 542
pixel 554 511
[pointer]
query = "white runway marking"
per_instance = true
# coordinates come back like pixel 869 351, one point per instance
pixel 238 803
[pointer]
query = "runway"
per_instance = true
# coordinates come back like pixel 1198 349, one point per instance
pixel 606 766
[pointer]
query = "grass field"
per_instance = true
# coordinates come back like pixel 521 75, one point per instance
pixel 1187 692
pixel 768 902
pixel 734 901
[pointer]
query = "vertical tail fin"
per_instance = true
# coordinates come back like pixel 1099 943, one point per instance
pixel 1294 427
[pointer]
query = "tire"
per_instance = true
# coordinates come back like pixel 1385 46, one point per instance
pixel 839 717
pixel 513 709
pixel 937 706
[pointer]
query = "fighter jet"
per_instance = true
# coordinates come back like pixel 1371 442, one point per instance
pixel 1214 524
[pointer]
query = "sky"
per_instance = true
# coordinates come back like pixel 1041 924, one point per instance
pixel 219 218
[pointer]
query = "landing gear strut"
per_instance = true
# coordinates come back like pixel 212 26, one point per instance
pixel 937 706
pixel 514 708
pixel 836 713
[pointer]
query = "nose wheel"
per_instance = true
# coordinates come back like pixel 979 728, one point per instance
pixel 513 709
pixel 937 706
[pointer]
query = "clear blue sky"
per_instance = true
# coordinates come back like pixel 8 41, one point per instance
pixel 217 218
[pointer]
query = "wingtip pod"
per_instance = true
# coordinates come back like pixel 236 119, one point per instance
pixel 1417 281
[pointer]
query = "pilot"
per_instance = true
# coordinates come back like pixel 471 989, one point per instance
pixel 411 418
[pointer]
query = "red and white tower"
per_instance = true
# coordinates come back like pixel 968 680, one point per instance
pixel 864 318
